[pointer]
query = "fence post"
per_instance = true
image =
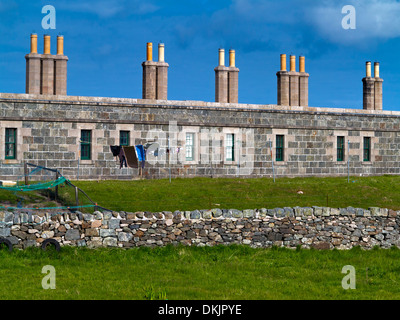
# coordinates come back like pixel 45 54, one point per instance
pixel 26 173
pixel 56 191
pixel 76 196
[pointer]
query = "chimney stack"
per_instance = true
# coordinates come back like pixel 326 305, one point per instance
pixel 47 83
pixel 155 74
pixel 46 73
pixel 303 82
pixel 221 79
pixel 226 79
pixel 60 67
pixel 33 68
pixel 378 104
pixel 149 74
pixel 283 83
pixel 162 74
pixel 368 88
pixel 233 79
pixel 293 83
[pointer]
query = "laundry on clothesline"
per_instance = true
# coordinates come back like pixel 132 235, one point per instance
pixel 131 156
pixel 173 150
pixel 141 154
pixel 117 151
pixel 135 156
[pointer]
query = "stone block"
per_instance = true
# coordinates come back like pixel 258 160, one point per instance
pixel 114 223
pixel 248 213
pixel 124 236
pixel 279 212
pixel 216 213
pixel 107 233
pixel 196 214
pixel 72 234
pixel 110 242
pixel 234 213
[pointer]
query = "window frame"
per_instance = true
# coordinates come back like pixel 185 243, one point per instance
pixel 13 144
pixel 230 148
pixel 189 147
pixel 340 149
pixel 86 144
pixel 280 148
pixel 367 149
pixel 128 138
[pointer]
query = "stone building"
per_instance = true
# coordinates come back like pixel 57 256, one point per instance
pixel 224 138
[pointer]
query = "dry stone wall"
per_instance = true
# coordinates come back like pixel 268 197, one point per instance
pixel 317 227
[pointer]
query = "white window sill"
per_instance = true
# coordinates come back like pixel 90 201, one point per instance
pixel 11 161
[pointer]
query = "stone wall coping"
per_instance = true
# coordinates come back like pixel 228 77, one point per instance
pixel 58 99
pixel 22 216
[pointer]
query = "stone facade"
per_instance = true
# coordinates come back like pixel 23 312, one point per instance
pixel 308 227
pixel 49 130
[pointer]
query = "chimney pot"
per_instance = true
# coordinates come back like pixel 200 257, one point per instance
pixel 232 58
pixel 376 69
pixel 283 62
pixel 149 51
pixel 302 64
pixel 293 63
pixel 161 54
pixel 368 69
pixel 33 43
pixel 46 44
pixel 221 60
pixel 60 45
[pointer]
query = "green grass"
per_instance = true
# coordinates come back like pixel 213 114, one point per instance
pixel 234 193
pixel 193 273
pixel 227 193
pixel 222 272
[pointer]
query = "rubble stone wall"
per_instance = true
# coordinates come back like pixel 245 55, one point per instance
pixel 317 227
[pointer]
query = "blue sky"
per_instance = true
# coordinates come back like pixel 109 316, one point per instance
pixel 105 41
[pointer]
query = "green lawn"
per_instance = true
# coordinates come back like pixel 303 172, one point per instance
pixel 227 193
pixel 234 193
pixel 229 273
pixel 194 273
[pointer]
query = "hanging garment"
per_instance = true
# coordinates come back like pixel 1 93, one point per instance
pixel 122 158
pixel 141 154
pixel 131 157
pixel 115 150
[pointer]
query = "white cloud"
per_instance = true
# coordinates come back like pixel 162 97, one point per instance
pixel 109 8
pixel 375 20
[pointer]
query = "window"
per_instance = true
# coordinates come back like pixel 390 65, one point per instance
pixel 124 138
pixel 279 147
pixel 189 146
pixel 86 141
pixel 11 143
pixel 367 149
pixel 230 147
pixel 340 148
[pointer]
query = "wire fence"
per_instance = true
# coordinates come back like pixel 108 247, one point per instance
pixel 242 203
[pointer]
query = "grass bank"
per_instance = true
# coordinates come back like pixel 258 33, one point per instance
pixel 234 193
pixel 194 273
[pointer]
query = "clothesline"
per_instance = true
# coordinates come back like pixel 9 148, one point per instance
pixel 135 156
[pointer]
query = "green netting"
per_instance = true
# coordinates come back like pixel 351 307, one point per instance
pixel 47 194
pixel 36 186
